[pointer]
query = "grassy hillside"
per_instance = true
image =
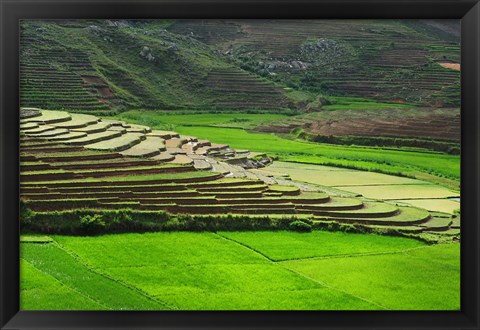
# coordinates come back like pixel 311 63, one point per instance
pixel 103 65
pixel 382 59
pixel 107 65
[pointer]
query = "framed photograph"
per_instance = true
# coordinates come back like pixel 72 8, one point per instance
pixel 238 164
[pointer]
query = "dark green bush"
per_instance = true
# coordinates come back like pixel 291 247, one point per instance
pixel 300 226
pixel 92 224
pixel 26 214
pixel 122 219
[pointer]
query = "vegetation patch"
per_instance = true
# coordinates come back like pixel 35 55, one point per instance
pixel 344 274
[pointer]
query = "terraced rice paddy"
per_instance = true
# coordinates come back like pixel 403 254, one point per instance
pixel 334 176
pixel 239 270
pixel 404 191
pixel 108 179
pixel 132 140
pixel 353 117
pixel 439 204
pixel 372 185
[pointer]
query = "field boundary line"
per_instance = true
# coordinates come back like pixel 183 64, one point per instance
pixel 354 255
pixel 100 273
pixel 334 288
pixel 246 246
pixel 323 284
pixel 83 294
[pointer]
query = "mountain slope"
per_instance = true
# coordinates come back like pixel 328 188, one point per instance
pixel 383 59
pixel 104 65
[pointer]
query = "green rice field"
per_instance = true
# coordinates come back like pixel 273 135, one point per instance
pixel 414 192
pixel 239 270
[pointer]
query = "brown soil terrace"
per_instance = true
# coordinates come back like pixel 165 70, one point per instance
pixel 431 125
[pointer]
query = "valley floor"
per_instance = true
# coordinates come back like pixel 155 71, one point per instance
pixel 236 131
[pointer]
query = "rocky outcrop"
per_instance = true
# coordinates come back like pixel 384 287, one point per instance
pixel 147 54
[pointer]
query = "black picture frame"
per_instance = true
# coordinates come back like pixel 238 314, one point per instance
pixel 14 10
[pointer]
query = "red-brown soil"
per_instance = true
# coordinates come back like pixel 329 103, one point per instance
pixel 453 66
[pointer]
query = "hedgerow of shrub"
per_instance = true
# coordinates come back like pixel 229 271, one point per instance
pixel 300 226
pixel 94 222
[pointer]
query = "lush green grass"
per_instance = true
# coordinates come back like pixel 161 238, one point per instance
pixel 358 103
pixel 425 279
pixel 169 120
pixel 287 245
pixel 182 270
pixel 35 239
pixel 342 102
pixel 200 271
pixel 40 290
pixel 63 267
pixel 169 249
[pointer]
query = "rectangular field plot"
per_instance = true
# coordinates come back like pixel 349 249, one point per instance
pixel 414 191
pixel 287 245
pixel 333 176
pixel 172 249
pixel 439 205
pixel 427 278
